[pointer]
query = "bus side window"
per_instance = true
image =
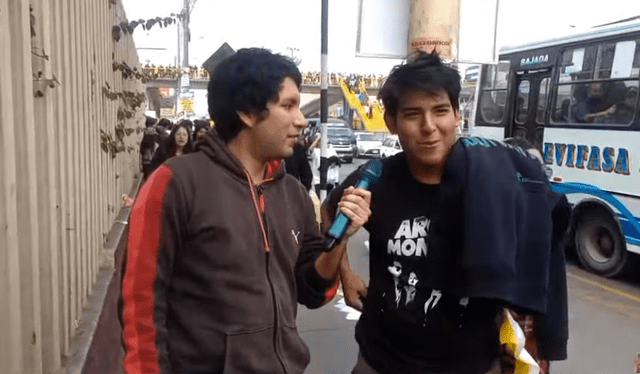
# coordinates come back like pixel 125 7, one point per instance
pixel 625 110
pixel 564 111
pixel 543 96
pixel 522 102
pixel 493 98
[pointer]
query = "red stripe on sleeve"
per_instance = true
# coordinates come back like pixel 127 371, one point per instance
pixel 331 292
pixel 139 330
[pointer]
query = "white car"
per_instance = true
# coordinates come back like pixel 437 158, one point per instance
pixel 390 146
pixel 367 145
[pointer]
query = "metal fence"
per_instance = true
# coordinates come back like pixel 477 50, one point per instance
pixel 59 191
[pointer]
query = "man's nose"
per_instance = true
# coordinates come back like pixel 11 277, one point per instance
pixel 299 121
pixel 428 123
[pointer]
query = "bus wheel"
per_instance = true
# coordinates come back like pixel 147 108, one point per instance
pixel 599 243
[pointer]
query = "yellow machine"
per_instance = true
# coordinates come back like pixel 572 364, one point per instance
pixel 373 122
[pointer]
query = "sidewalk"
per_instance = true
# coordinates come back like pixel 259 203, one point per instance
pixel 330 337
pixel 105 353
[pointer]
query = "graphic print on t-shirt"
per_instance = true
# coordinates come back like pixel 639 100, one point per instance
pixel 396 271
pixel 407 251
pixel 410 239
pixel 410 288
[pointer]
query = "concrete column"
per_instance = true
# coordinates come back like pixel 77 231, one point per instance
pixel 64 127
pixel 103 51
pixel 94 136
pixel 72 160
pixel 83 124
pixel 27 199
pixel 10 314
pixel 46 185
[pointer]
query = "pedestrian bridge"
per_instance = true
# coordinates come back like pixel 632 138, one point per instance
pixel 201 84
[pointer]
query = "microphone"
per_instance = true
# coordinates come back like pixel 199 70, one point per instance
pixel 371 172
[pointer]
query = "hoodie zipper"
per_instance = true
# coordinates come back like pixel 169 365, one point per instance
pixel 259 203
pixel 259 213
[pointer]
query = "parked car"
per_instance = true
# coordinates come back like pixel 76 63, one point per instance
pixel 390 146
pixel 343 141
pixel 339 135
pixel 367 144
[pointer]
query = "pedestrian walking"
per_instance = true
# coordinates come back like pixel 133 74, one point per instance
pixel 200 127
pixel 297 165
pixel 177 143
pixel 148 146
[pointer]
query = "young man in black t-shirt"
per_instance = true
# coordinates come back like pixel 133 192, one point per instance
pixel 414 320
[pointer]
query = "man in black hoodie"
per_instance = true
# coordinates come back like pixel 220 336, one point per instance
pixel 148 146
pixel 223 244
pixel 446 246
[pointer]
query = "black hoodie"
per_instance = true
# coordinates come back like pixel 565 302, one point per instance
pixel 215 268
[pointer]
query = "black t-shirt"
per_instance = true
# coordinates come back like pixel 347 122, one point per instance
pixel 414 319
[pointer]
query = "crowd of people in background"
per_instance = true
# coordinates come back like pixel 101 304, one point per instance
pixel 311 78
pixel 172 72
pixel 164 139
pixel 370 80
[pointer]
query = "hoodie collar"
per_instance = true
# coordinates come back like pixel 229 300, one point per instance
pixel 216 149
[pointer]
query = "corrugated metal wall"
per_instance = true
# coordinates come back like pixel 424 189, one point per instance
pixel 59 192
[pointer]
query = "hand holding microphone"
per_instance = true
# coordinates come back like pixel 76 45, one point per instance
pixel 354 208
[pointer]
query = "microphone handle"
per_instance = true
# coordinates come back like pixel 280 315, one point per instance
pixel 341 222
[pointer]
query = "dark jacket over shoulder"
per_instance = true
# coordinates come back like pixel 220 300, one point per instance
pixel 215 267
pixel 513 227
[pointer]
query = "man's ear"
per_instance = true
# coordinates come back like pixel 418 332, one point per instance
pixel 249 119
pixel 390 121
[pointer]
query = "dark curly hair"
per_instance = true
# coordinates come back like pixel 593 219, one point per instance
pixel 245 82
pixel 424 72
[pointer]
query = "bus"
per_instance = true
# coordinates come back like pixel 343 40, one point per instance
pixel 576 99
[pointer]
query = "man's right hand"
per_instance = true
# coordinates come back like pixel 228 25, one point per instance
pixel 354 289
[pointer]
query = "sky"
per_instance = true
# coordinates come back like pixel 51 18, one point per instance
pixel 293 26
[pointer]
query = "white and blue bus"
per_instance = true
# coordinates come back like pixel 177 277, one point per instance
pixel 576 99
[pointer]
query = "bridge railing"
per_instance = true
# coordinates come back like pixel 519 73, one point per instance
pixel 153 72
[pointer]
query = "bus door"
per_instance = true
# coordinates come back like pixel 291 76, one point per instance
pixel 530 105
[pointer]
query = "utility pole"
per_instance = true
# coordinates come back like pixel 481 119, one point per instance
pixel 185 95
pixel 324 97
pixel 186 35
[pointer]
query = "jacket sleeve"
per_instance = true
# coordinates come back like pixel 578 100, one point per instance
pixel 313 290
pixel 154 237
pixel 552 328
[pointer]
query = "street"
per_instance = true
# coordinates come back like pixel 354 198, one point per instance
pixel 604 321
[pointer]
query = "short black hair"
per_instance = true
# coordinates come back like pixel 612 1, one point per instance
pixel 522 143
pixel 245 82
pixel 150 121
pixel 166 123
pixel 199 125
pixel 423 72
